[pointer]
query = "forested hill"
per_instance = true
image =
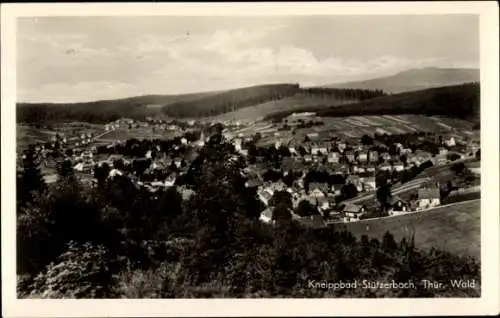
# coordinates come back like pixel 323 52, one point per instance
pixel 100 111
pixel 224 102
pixel 230 100
pixel 189 105
pixel 462 101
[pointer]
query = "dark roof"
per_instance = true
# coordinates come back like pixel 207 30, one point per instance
pixel 352 208
pixel 428 193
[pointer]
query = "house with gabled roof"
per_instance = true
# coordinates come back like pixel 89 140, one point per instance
pixel 369 184
pixel 341 145
pixel 386 156
pixel 398 206
pixel 336 188
pixel 323 203
pixel 373 156
pixel 356 181
pixel 333 157
pixel 265 195
pixel 349 155
pixel 398 166
pixel 428 197
pixel 266 216
pixel 318 190
pixel 362 156
pixel 352 212
pixel 385 167
pixel 319 148
pixel 370 168
pixel 340 169
pixel 170 180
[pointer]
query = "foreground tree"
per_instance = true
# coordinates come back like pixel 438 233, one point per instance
pixel 384 196
pixel 83 271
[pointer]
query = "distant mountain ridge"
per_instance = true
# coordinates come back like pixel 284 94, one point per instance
pixel 416 79
pixel 268 99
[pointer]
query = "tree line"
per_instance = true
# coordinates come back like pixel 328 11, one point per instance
pixel 460 101
pixel 231 100
pixel 349 94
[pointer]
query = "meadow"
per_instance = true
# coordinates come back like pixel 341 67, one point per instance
pixel 455 229
pixel 260 111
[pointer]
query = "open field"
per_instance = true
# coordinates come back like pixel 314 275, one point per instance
pixel 260 111
pixel 357 126
pixel 28 135
pixel 455 228
pixel 137 133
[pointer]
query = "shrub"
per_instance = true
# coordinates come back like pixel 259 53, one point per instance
pixel 83 271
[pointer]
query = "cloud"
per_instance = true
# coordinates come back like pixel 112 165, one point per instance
pixel 73 93
pixel 69 67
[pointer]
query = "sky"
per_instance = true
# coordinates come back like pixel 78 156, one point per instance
pixel 73 59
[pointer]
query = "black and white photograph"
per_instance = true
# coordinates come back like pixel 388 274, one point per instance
pixel 185 156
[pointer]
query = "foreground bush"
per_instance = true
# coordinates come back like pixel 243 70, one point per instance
pixel 83 271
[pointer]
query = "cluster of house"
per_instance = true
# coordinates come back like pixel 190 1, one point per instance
pixel 428 197
pixel 155 123
pixel 85 161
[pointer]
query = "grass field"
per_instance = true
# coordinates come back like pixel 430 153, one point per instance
pixel 455 229
pixel 356 126
pixel 138 133
pixel 259 111
pixel 26 135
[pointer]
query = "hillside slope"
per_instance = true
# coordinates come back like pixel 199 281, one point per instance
pixel 100 111
pixel 230 100
pixel 287 104
pixel 416 79
pixel 460 101
pixel 454 229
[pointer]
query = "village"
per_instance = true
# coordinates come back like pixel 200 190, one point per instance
pixel 319 178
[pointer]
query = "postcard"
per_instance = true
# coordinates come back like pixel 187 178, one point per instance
pixel 250 159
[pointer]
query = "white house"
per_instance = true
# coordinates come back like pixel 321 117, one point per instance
pixel 336 188
pixel 318 190
pixel 443 151
pixel 333 157
pixel 317 149
pixel 323 203
pixel 450 142
pixel 398 166
pixel 369 184
pixel 398 207
pixel 237 144
pixel 115 172
pixel 170 181
pixel 363 156
pixel 353 212
pixel 385 167
pixel 373 156
pixel 265 196
pixel 428 198
pixel 341 146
